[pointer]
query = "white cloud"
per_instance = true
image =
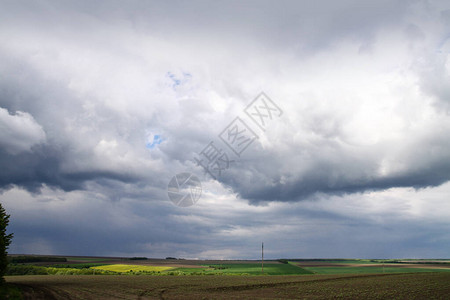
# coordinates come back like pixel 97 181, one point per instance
pixel 19 132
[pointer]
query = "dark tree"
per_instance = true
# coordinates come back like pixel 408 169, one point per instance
pixel 5 240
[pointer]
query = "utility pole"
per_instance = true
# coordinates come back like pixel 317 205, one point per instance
pixel 262 258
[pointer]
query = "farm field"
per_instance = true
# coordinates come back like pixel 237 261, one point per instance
pixel 248 269
pixel 131 268
pixel 370 267
pixel 376 286
pixel 369 270
pixel 37 265
pixel 125 278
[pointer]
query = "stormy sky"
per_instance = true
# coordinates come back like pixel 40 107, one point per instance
pixel 102 103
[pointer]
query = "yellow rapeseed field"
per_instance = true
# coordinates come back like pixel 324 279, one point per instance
pixel 134 268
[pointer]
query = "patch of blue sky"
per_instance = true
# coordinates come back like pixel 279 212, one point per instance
pixel 180 79
pixel 157 139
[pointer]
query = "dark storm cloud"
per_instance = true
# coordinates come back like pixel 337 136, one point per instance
pixel 43 166
pixel 50 105
pixel 427 164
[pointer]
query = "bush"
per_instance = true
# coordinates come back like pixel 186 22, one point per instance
pixel 76 266
pixel 38 270
pixel 218 267
pixel 25 270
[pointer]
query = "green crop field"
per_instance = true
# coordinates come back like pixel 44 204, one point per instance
pixel 248 269
pixel 369 270
pixel 338 261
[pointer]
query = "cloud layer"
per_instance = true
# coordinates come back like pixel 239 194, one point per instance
pixel 101 104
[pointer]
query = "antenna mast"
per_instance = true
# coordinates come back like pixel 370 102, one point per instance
pixel 262 257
